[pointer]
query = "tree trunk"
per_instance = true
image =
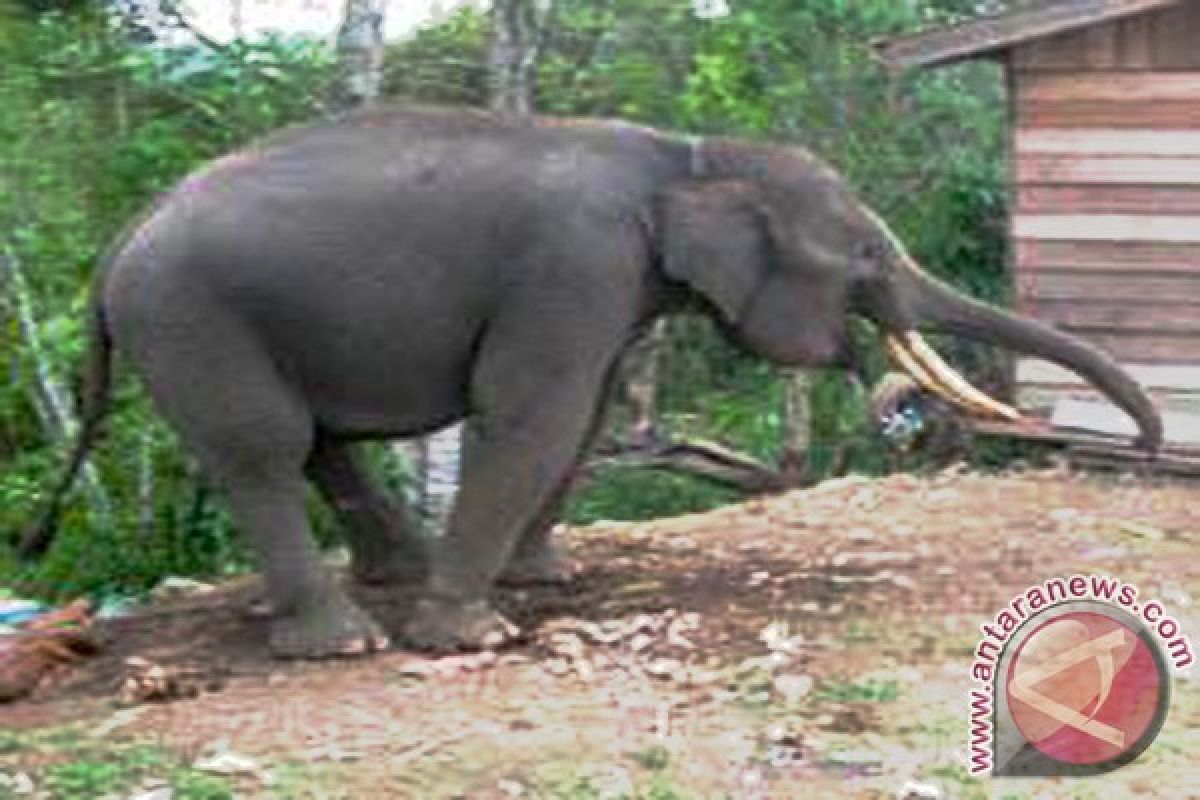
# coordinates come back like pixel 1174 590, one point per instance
pixel 47 396
pixel 516 29
pixel 359 54
pixel 797 425
pixel 512 60
pixel 641 370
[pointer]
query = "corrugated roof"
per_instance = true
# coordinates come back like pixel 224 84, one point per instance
pixel 988 35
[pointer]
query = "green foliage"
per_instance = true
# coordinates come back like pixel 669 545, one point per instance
pixel 926 150
pixel 82 768
pixel 80 779
pixel 95 125
pixel 617 493
pixel 445 63
pixel 94 128
pixel 871 691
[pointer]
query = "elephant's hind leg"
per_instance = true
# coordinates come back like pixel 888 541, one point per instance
pixel 385 545
pixel 252 433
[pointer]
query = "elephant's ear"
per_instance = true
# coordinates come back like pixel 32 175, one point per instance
pixel 714 238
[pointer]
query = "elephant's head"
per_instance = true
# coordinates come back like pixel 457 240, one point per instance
pixel 785 253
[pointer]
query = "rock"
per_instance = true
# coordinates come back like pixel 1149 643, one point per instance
pixel 1173 592
pixel 862 562
pixel 919 791
pixel 227 763
pixel 943 496
pixel 566 644
pixel 685 622
pixel 510 788
pixel 758 579
pixel 640 642
pixel 146 681
pixel 605 633
pixel 497 639
pixel 862 535
pixel 698 676
pixel 792 688
pixel 156 793
pixel 1063 515
pixel 778 638
pixel 481 661
pixel 665 668
pixel 18 784
pixel 557 667
pixel 1104 553
pixel 174 587
pixel 513 660
pixel 417 668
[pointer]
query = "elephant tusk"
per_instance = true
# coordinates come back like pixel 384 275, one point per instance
pixel 954 382
pixel 920 361
pixel 900 354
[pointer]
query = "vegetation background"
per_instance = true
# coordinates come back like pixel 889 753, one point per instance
pixel 97 116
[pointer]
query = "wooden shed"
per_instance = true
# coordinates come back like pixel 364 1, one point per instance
pixel 1104 106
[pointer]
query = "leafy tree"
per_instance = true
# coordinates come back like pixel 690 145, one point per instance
pixel 96 122
pixel 94 127
pixel 925 150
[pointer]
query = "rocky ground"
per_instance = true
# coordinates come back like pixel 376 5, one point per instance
pixel 813 644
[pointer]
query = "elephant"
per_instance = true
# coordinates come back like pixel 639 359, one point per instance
pixel 395 270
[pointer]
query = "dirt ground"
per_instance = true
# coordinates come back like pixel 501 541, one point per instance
pixel 814 644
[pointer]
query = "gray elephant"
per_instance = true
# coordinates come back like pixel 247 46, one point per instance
pixel 388 273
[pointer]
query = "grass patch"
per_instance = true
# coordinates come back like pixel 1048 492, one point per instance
pixel 871 691
pixel 656 758
pixel 660 787
pixel 77 767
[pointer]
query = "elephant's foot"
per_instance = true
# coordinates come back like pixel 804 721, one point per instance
pixel 446 626
pixel 330 627
pixel 404 564
pixel 548 566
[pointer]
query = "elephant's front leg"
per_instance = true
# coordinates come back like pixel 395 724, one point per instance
pixel 537 559
pixel 517 454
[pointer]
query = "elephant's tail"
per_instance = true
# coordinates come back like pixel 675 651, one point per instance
pixel 95 400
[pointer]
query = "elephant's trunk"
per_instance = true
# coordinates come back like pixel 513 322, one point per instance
pixel 938 304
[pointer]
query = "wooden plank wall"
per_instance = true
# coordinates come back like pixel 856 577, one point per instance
pixel 1106 206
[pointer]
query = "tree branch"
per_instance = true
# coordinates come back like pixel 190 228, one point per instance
pixel 708 461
